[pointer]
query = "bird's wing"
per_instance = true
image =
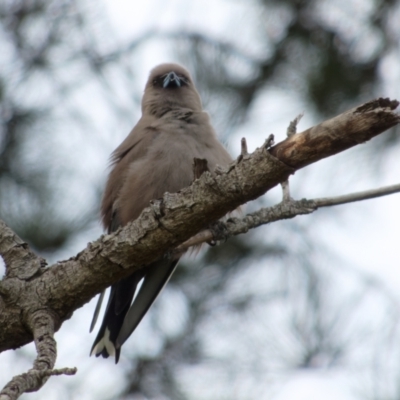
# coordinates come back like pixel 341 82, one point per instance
pixel 113 226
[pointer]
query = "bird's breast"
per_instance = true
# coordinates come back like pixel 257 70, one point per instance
pixel 167 165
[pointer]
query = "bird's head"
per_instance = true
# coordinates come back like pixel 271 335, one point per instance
pixel 170 86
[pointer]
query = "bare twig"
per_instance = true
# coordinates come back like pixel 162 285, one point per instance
pixel 270 141
pixel 292 128
pixel 286 191
pixel 283 210
pixel 358 196
pixel 243 144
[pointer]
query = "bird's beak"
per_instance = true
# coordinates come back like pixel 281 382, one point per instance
pixel 172 80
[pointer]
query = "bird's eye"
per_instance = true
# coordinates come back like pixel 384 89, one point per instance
pixel 185 79
pixel 158 81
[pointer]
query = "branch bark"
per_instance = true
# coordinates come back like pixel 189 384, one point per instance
pixel 58 291
pixel 337 134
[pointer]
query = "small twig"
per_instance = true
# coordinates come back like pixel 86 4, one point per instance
pixel 60 371
pixel 21 383
pixel 358 196
pixel 292 128
pixel 243 144
pixel 283 210
pixel 200 238
pixel 286 191
pixel 269 142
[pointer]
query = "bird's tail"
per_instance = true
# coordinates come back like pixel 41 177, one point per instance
pixel 121 318
pixel 118 305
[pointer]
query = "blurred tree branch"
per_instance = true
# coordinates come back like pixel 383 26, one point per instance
pixel 32 293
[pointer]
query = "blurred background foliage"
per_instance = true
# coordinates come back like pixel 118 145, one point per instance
pixel 241 319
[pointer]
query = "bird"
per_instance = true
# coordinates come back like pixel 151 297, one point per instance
pixel 156 157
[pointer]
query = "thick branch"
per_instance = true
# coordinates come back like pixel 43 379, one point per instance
pixel 337 134
pixel 175 218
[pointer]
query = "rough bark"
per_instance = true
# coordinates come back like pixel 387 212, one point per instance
pixel 337 134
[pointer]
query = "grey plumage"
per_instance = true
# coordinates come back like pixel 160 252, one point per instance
pixel 156 157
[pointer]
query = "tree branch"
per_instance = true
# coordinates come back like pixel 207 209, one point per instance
pixel 58 291
pixel 42 326
pixel 349 129
pixel 353 197
pixel 284 210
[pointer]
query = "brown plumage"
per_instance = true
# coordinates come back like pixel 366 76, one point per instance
pixel 156 157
